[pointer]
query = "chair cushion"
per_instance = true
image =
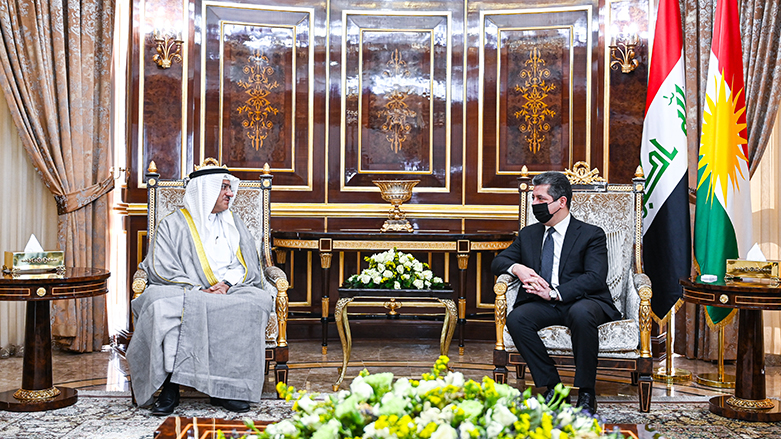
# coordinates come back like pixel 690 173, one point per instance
pixel 618 339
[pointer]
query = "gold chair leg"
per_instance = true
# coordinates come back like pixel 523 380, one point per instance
pixel 449 326
pixel 343 327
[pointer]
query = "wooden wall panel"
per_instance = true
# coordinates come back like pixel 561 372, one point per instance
pixel 257 91
pixel 536 91
pixel 395 83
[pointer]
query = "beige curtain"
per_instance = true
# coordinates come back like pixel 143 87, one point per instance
pixel 27 208
pixel 765 202
pixel 55 60
pixel 760 22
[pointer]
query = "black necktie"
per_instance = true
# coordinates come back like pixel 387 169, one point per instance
pixel 546 266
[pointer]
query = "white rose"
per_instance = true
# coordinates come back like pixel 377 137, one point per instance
pixel 405 276
pixel 306 404
pixel 361 388
pixel 418 284
pixel 428 275
pixel 365 278
pixel 503 415
pixel 310 420
pixel 437 280
pixel 400 268
pixel 493 429
pixel 445 431
pixel 396 285
pixel 465 428
pixel 284 428
pixel 377 279
pixel 455 378
pixel 380 268
pixel 387 273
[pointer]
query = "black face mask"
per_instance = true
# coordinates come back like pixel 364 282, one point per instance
pixel 541 212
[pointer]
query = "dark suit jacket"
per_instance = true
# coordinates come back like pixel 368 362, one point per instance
pixel 582 264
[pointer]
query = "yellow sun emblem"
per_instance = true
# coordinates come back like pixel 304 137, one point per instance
pixel 720 146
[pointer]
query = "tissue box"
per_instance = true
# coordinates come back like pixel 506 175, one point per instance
pixel 25 262
pixel 741 268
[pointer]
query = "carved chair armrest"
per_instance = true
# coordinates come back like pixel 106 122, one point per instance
pixel 139 282
pixel 279 279
pixel 643 287
pixel 500 308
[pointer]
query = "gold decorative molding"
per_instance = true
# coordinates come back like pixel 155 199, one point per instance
pixel 750 404
pixel 36 395
pixel 582 173
pixel 535 111
pixel 396 109
pixel 258 108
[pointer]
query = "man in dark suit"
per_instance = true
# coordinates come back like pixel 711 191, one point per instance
pixel 562 264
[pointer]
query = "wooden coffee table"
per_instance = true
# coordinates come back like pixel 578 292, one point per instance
pixel 176 427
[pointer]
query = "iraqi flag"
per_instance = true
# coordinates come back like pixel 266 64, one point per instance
pixel 722 225
pixel 664 157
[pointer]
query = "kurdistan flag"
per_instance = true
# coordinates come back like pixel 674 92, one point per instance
pixel 722 225
pixel 664 157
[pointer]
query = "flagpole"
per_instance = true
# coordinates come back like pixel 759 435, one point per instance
pixel 718 380
pixel 667 373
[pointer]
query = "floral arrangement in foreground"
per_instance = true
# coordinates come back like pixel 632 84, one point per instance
pixel 395 270
pixel 439 406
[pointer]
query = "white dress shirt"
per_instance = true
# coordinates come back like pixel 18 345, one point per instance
pixel 558 241
pixel 221 250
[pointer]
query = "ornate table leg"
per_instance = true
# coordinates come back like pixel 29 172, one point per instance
pixel 749 402
pixel 343 326
pixel 463 248
pixel 37 392
pixel 325 247
pixel 448 327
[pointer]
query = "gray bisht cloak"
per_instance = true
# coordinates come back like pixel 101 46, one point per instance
pixel 215 343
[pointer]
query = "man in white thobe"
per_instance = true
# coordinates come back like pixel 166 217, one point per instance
pixel 201 320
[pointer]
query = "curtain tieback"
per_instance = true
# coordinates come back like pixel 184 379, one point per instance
pixel 74 201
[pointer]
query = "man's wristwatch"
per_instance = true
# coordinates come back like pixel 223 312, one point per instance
pixel 554 294
pixel 227 283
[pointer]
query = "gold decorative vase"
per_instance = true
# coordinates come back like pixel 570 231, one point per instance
pixel 396 192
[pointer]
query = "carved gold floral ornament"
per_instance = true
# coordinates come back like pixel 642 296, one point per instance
pixel 258 107
pixel 396 109
pixel 534 112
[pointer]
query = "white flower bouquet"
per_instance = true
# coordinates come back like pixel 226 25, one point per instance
pixel 395 270
pixel 442 405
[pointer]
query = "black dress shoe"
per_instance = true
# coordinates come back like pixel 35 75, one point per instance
pixel 167 400
pixel 550 393
pixel 588 401
pixel 231 404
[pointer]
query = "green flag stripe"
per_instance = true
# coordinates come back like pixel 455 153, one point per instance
pixel 714 242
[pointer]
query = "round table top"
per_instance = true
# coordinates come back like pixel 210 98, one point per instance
pixel 76 282
pixel 742 295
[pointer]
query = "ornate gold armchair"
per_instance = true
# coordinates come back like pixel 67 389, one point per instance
pixel 624 345
pixel 252 204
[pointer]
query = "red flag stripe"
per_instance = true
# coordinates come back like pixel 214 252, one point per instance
pixel 726 46
pixel 668 46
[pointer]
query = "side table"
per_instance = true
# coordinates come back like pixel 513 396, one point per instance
pixel 37 392
pixel 749 403
pixel 391 300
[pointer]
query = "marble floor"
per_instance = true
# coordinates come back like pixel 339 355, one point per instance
pixel 311 370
